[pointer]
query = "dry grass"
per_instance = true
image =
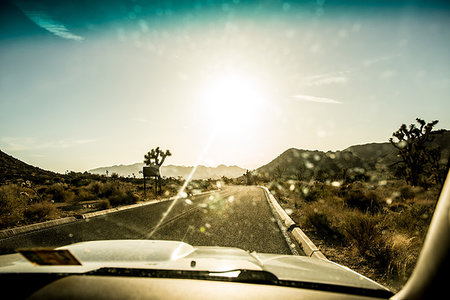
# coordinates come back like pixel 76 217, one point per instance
pixel 375 228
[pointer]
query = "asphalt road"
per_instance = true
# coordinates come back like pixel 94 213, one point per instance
pixel 237 216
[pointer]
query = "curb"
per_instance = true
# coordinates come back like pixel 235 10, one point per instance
pixel 6 233
pixel 300 237
pixel 10 232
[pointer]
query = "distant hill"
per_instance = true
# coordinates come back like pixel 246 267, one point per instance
pixel 12 169
pixel 306 164
pixel 357 159
pixel 202 172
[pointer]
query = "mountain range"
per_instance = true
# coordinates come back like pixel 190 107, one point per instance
pixel 201 172
pixel 296 163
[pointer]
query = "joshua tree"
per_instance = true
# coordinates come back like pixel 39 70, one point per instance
pixel 156 157
pixel 418 158
pixel 248 177
pixel 153 157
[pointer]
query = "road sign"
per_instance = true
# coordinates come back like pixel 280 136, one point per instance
pixel 152 170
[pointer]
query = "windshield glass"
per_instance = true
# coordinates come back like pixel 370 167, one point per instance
pixel 164 120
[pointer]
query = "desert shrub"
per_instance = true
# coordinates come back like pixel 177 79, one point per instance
pixel 403 255
pixel 310 194
pixel 398 207
pixel 60 193
pixel 414 220
pixel 406 192
pixel 12 204
pixel 362 231
pixel 108 189
pixel 323 217
pixel 84 194
pixel 392 253
pixel 42 190
pixel 78 180
pixel 95 187
pixel 365 202
pixel 321 222
pixel 121 197
pixel 104 204
pixel 40 211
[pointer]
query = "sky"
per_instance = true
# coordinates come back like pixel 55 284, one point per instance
pixel 230 82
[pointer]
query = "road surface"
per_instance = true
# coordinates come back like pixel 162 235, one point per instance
pixel 237 216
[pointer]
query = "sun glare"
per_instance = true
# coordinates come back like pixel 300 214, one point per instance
pixel 232 100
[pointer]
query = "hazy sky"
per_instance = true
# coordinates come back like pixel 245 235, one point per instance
pixel 83 86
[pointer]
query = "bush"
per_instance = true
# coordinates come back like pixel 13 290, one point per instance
pixel 321 222
pixel 95 187
pixel 108 189
pixel 104 204
pixel 310 194
pixel 403 254
pixel 362 232
pixel 323 217
pixel 41 211
pixel 84 194
pixel 414 219
pixel 369 202
pixel 123 198
pixel 406 192
pixel 12 204
pixel 60 193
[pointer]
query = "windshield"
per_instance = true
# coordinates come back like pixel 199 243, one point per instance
pixel 226 123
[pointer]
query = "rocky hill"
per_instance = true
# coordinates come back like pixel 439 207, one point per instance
pixel 357 160
pixel 12 169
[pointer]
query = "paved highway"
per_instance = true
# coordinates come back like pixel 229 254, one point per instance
pixel 237 216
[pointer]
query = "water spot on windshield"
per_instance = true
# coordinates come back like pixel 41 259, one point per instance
pixel 309 165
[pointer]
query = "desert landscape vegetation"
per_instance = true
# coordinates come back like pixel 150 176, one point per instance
pixel 367 207
pixel 29 195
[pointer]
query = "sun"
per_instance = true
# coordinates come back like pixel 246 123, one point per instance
pixel 232 101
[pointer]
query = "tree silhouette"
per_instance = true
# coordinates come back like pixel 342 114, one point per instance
pixel 156 157
pixel 419 159
pixel 248 177
pixel 153 157
pixel 278 172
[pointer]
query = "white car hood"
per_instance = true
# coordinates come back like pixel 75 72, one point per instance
pixel 173 255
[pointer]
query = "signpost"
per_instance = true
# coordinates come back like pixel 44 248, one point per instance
pixel 151 171
pixel 152 160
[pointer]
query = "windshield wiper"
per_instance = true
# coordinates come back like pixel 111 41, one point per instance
pixel 241 276
pixel 237 275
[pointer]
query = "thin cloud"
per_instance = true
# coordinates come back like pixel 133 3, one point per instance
pixel 375 60
pixel 41 19
pixel 27 143
pixel 316 99
pixel 330 78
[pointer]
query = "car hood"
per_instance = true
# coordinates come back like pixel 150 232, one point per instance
pixel 173 255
